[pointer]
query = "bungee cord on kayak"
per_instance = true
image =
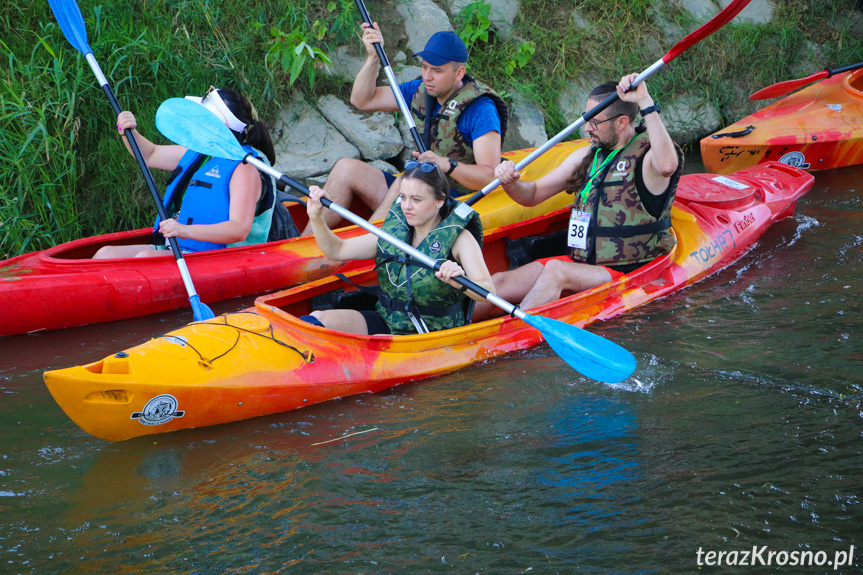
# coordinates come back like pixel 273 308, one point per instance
pixel 222 321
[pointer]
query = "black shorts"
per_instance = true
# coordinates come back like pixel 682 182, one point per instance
pixel 375 324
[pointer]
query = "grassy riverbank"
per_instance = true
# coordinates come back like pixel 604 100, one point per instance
pixel 65 173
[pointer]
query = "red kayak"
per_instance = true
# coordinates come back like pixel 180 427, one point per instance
pixel 62 287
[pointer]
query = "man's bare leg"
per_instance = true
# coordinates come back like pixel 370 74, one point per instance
pixel 558 276
pixel 352 178
pixel 511 285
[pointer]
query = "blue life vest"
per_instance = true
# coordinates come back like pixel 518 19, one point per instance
pixel 206 198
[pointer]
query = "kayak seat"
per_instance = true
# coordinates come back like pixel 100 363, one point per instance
pixel 360 300
pixel 524 250
pixel 364 299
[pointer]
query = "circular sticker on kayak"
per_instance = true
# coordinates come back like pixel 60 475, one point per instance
pixel 796 159
pixel 175 339
pixel 161 409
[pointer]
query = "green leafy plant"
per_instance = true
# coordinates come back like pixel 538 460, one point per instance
pixel 475 24
pixel 523 54
pixel 295 53
pixel 304 49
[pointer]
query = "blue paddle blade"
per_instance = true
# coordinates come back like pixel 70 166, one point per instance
pixel 588 353
pixel 193 126
pixel 200 311
pixel 71 22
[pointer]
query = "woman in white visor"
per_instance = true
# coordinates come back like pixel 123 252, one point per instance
pixel 216 203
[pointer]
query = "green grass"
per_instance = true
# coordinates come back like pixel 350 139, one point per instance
pixel 64 172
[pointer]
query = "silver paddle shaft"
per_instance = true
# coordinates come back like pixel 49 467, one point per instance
pixel 582 120
pixel 372 229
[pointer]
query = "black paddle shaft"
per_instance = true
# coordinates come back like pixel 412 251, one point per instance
pixel 368 20
pixel 420 144
pixel 145 170
pixel 844 69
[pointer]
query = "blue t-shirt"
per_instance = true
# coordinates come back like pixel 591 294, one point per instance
pixel 477 120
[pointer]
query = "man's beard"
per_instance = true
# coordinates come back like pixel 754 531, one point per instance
pixel 608 144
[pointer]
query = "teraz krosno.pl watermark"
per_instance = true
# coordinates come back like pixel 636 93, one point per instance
pixel 764 556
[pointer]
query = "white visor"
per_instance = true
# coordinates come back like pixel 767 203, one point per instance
pixel 213 102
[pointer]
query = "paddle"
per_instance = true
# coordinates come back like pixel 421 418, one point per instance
pixel 193 126
pixel 782 88
pixel 71 22
pixel 394 84
pixel 701 33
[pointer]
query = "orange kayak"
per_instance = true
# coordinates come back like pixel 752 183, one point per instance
pixel 264 360
pixel 817 128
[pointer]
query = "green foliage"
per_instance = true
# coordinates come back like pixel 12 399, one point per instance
pixel 523 54
pixel 294 52
pixel 38 162
pixel 475 24
pixel 64 172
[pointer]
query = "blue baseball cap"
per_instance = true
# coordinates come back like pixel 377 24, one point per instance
pixel 444 47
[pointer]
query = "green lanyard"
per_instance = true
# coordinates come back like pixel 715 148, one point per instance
pixel 594 171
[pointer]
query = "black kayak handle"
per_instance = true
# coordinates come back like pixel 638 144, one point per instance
pixel 743 132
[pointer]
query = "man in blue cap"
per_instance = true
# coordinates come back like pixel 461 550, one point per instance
pixel 461 121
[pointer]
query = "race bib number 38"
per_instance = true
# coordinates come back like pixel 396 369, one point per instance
pixel 578 224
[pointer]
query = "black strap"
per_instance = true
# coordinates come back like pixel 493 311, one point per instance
pixel 630 231
pixel 430 102
pixel 201 184
pixel 183 183
pixel 395 304
pixel 365 289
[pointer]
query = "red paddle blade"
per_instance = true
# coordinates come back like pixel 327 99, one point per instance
pixel 788 86
pixel 711 26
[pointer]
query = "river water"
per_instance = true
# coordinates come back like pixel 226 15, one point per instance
pixel 741 429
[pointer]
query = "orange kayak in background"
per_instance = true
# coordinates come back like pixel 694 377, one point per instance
pixel 816 128
pixel 264 360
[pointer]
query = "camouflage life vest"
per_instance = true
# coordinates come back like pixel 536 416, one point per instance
pixel 440 132
pixel 407 286
pixel 621 230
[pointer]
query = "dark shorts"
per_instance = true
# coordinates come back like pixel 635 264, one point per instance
pixel 375 323
pixel 391 178
pixel 565 258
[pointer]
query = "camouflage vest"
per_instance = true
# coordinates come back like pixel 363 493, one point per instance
pixel 406 284
pixel 440 132
pixel 621 230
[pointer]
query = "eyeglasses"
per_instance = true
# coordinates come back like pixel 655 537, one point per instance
pixel 595 124
pixel 424 167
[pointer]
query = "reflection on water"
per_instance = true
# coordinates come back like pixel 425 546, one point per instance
pixel 741 427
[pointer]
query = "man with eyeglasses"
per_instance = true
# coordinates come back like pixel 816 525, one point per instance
pixel 461 121
pixel 624 185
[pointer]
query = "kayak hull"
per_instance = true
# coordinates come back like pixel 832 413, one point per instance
pixel 62 287
pixel 817 128
pixel 264 360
